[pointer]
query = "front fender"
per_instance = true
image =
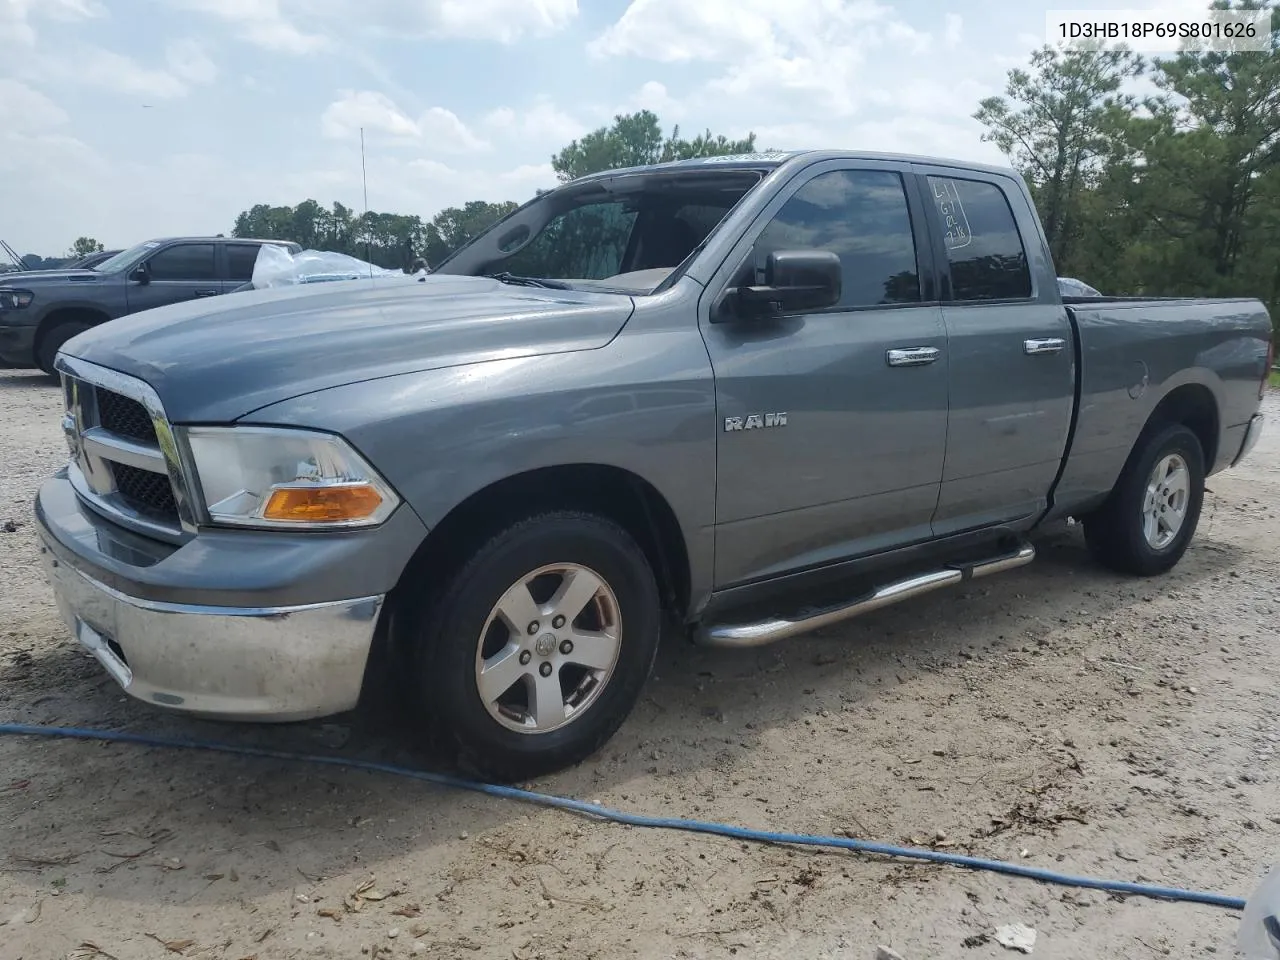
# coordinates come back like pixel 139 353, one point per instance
pixel 645 403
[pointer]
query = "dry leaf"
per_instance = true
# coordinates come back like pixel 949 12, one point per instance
pixel 88 950
pixel 407 910
pixel 374 895
pixel 211 877
pixel 171 863
pixel 329 912
pixel 173 946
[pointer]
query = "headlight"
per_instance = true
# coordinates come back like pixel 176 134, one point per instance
pixel 11 298
pixel 286 478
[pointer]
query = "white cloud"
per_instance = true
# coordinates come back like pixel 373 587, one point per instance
pixel 187 59
pixel 102 69
pixel 16 16
pixel 377 113
pixel 654 96
pixel 541 123
pixel 953 31
pixel 445 131
pixel 502 21
pixel 25 110
pixel 262 23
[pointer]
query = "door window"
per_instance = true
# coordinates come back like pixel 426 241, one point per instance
pixel 984 248
pixel 862 217
pixel 185 261
pixel 240 260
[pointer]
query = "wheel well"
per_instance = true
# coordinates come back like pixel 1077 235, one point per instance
pixel 1193 406
pixel 68 315
pixel 618 494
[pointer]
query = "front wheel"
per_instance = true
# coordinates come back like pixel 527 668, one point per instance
pixel 1147 524
pixel 534 653
pixel 53 341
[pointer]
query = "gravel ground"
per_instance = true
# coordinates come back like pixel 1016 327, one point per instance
pixel 1058 716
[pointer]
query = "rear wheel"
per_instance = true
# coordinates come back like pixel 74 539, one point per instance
pixel 53 341
pixel 1147 524
pixel 534 653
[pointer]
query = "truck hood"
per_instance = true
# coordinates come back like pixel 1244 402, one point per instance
pixel 38 277
pixel 216 360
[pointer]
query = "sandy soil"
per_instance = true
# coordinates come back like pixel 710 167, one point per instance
pixel 1058 716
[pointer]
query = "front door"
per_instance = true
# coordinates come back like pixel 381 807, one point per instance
pixel 178 272
pixel 832 423
pixel 1011 353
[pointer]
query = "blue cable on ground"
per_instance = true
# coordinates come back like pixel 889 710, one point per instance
pixel 643 820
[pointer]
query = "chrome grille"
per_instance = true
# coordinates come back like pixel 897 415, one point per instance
pixel 124 461
pixel 127 418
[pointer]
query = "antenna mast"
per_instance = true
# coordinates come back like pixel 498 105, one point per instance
pixel 364 181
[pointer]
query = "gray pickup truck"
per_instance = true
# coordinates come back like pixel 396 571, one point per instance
pixel 738 397
pixel 40 310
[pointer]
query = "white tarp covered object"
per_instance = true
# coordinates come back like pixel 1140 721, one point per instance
pixel 276 267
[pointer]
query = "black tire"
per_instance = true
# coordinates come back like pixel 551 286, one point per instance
pixel 447 626
pixel 52 342
pixel 1114 532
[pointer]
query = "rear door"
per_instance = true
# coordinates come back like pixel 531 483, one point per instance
pixel 176 273
pixel 240 260
pixel 831 422
pixel 1010 351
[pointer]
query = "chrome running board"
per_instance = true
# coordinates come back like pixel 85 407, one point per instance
pixel 773 629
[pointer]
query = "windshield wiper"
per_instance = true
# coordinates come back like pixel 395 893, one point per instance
pixel 514 280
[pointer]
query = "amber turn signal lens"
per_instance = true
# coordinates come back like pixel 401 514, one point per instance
pixel 348 502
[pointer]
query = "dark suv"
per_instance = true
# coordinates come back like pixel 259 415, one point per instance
pixel 41 310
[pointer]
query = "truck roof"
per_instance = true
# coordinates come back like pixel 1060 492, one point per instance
pixel 776 158
pixel 225 239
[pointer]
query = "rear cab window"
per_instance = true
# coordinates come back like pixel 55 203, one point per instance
pixel 240 260
pixel 985 252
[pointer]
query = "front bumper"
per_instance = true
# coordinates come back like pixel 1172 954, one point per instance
pixel 246 663
pixel 17 341
pixel 204 629
pixel 1251 434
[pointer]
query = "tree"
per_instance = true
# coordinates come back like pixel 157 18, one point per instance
pixel 635 139
pixel 83 247
pixel 453 227
pixel 1055 122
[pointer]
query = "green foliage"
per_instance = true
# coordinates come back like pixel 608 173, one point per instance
pixel 83 247
pixel 1178 194
pixel 396 241
pixel 635 139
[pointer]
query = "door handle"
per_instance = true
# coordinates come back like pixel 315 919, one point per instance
pixel 912 356
pixel 1047 345
pixel 206 293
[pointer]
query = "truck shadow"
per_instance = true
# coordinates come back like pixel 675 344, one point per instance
pixel 107 820
pixel 14 379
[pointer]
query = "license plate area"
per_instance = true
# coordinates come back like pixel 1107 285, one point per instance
pixel 106 651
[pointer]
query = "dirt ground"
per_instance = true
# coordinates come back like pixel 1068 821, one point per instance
pixel 1057 716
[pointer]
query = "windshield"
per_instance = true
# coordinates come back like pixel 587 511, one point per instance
pixel 626 234
pixel 126 258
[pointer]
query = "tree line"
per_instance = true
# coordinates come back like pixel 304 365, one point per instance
pixel 396 240
pixel 1174 193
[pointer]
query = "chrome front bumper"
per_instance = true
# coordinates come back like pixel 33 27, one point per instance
pixel 241 663
pixel 1251 434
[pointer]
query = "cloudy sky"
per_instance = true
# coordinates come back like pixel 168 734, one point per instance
pixel 125 119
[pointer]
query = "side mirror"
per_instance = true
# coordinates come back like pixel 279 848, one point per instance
pixel 140 274
pixel 794 280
